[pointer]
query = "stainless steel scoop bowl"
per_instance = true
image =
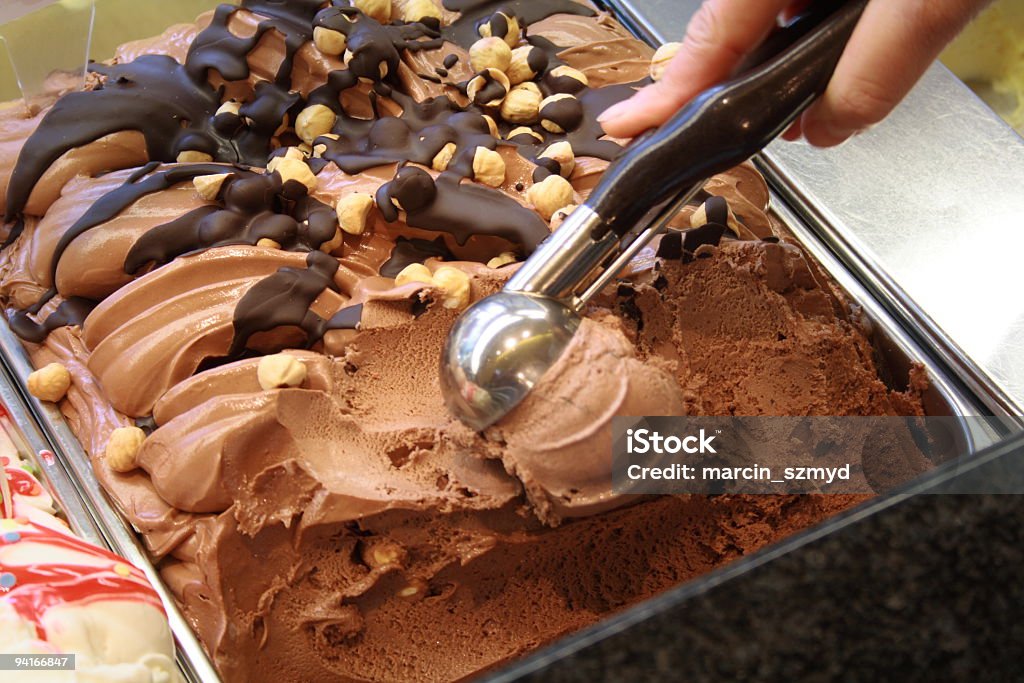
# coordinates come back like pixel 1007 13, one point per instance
pixel 502 346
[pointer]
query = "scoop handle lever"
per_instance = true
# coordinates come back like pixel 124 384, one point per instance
pixel 728 123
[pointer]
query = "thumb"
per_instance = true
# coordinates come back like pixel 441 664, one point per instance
pixel 717 38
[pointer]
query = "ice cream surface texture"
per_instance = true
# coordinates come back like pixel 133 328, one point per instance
pixel 250 237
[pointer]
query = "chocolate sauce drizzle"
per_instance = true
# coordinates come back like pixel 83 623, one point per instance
pixel 408 251
pixel 451 206
pixel 255 207
pixel 174 106
pixel 284 299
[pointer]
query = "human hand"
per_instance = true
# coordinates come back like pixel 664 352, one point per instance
pixel 892 46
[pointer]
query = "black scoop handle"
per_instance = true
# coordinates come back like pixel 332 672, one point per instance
pixel 727 124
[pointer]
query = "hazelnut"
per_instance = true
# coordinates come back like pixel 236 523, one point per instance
pixel 414 272
pixel 502 259
pixel 524 130
pixel 383 554
pixel 524 64
pixel 280 370
pixel 208 186
pixel 268 243
pixel 330 245
pixel 230 107
pixel 414 590
pixel 293 169
pixel 192 156
pixel 329 42
pixel 559 112
pixel 522 104
pixel 559 217
pixel 491 126
pixel 382 67
pixel 354 212
pixel 295 153
pixel 454 284
pixel 488 88
pixel 501 25
pixel 563 154
pixel 444 157
pixel 314 121
pixel 50 382
pixel 662 56
pixel 375 9
pixel 123 448
pixel 550 195
pixel 319 150
pixel 700 217
pixel 418 10
pixel 490 53
pixel 566 71
pixel 488 167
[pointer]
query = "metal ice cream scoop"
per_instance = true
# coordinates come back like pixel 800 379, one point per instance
pixel 501 346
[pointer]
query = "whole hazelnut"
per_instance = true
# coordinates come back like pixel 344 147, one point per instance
pixel 375 9
pixel 522 104
pixel 578 78
pixel 314 121
pixel 530 136
pixel 280 370
pixel 50 382
pixel 561 112
pixel 208 186
pixel 550 195
pixel 414 272
pixel 418 10
pixel 488 167
pixel 443 157
pixel 454 285
pixel 490 53
pixel 192 156
pixel 501 25
pixel 492 127
pixel 525 64
pixel 123 448
pixel 502 259
pixel 488 88
pixel 354 212
pixel 562 153
pixel 329 42
pixel 230 107
pixel 293 169
pixel 330 245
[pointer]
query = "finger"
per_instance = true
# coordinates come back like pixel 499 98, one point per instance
pixel 892 46
pixel 717 38
pixel 794 132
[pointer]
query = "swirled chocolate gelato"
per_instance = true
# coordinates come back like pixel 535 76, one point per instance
pixel 249 238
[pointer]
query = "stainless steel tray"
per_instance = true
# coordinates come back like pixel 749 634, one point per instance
pixel 895 346
pixel 61 484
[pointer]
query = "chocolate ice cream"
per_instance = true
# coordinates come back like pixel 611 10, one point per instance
pixel 253 248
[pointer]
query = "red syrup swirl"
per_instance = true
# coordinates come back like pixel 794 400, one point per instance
pixel 34 588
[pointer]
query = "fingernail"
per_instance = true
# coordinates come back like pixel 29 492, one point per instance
pixel 826 133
